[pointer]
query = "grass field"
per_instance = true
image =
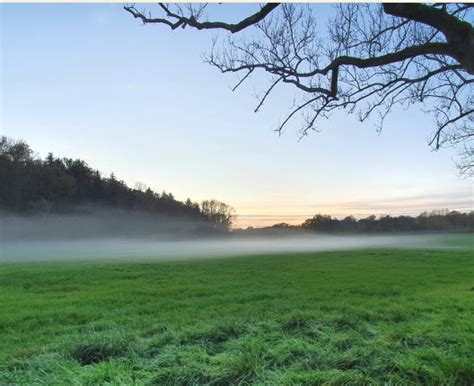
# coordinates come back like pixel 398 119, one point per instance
pixel 368 316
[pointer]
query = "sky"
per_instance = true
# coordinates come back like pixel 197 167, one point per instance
pixel 89 81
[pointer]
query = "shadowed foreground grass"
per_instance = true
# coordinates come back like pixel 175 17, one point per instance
pixel 340 317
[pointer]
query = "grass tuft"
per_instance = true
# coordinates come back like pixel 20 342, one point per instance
pixel 297 321
pixel 99 350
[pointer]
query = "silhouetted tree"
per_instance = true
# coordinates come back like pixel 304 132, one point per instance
pixel 321 223
pixel 219 213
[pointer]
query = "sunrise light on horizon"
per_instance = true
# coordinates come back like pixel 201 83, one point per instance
pixel 92 83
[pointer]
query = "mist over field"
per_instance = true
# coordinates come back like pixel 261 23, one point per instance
pixel 98 224
pixel 127 236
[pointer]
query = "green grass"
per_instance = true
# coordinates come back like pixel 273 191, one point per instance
pixel 352 317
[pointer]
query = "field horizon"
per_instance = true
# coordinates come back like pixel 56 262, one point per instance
pixel 367 316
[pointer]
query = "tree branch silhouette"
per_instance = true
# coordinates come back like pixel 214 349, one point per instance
pixel 370 58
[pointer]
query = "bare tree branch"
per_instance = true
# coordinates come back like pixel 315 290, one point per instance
pixel 370 59
pixel 183 21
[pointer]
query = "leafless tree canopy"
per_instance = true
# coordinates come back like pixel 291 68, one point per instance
pixel 368 59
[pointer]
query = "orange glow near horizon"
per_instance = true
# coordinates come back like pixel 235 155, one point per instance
pixel 267 214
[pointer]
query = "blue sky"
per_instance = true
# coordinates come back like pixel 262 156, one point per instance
pixel 88 81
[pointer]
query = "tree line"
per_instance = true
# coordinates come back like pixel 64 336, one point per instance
pixel 31 186
pixel 437 220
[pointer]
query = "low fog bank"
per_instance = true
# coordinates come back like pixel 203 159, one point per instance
pixel 151 249
pixel 102 223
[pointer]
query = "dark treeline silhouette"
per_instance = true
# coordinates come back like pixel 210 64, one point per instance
pixel 435 221
pixel 33 186
pixel 440 220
